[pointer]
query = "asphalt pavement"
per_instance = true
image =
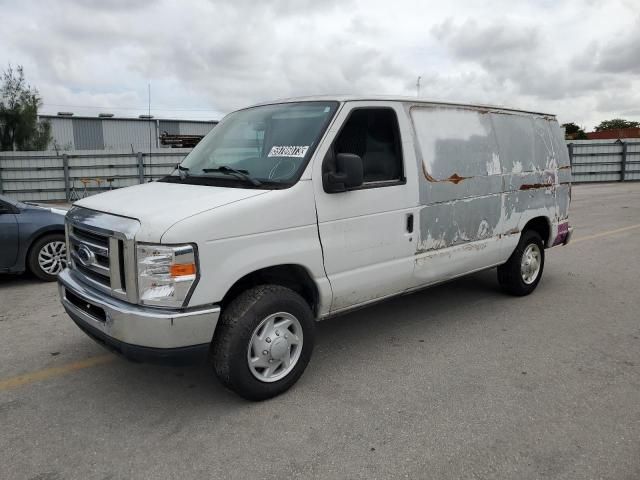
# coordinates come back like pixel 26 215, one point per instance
pixel 457 381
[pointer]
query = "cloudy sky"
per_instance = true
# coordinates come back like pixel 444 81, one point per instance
pixel 577 58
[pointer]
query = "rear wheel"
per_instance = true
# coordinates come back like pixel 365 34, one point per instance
pixel 48 257
pixel 522 272
pixel 263 342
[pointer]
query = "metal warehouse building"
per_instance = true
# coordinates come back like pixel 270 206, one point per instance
pixel 107 132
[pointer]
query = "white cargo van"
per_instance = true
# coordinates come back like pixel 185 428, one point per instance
pixel 296 211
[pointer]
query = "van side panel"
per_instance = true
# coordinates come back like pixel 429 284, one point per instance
pixel 564 171
pixel 485 174
pixel 460 162
pixel 460 192
pixel 529 164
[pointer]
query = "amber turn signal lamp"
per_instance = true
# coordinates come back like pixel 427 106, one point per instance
pixel 182 269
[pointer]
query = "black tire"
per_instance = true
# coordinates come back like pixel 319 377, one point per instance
pixel 34 251
pixel 510 277
pixel 235 329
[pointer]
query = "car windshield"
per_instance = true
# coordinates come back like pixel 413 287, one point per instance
pixel 11 201
pixel 261 147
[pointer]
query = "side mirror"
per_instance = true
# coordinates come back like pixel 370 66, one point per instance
pixel 349 174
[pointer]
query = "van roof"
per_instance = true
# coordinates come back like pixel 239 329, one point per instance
pixel 413 100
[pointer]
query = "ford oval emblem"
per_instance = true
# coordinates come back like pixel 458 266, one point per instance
pixel 85 255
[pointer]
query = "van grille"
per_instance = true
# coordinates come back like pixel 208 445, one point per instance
pixel 101 251
pixel 90 254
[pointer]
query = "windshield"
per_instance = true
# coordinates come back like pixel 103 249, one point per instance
pixel 260 147
pixel 11 201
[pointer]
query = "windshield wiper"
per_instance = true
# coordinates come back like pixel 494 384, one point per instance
pixel 182 171
pixel 243 174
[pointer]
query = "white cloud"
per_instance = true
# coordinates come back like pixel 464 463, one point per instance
pixel 578 59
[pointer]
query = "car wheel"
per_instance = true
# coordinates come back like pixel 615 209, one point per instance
pixel 522 272
pixel 48 257
pixel 263 341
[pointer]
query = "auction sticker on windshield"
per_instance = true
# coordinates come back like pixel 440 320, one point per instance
pixel 288 151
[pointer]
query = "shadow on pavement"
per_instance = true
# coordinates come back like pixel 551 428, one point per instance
pixel 340 341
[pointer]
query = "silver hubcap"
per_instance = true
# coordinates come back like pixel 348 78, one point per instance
pixel 52 257
pixel 530 264
pixel 275 347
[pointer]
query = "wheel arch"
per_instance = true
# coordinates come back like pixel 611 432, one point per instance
pixel 541 225
pixel 293 276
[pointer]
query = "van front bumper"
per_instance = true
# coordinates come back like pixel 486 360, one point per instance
pixel 136 332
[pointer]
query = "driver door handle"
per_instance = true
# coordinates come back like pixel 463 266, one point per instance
pixel 410 223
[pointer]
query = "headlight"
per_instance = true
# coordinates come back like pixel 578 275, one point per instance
pixel 166 274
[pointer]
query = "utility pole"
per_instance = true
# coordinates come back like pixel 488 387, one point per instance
pixel 418 87
pixel 150 123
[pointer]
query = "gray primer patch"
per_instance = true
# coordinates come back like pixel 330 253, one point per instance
pixel 458 153
pixel 562 196
pixel 483 171
pixel 453 223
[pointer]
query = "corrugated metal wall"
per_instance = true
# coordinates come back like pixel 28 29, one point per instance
pixel 171 127
pixel 32 175
pixel 87 134
pixel 51 176
pixel 194 128
pixel 131 134
pixel 82 133
pixel 605 160
pixel 633 161
pixel 62 133
pixel 41 175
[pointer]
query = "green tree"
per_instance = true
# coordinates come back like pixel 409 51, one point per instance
pixel 615 124
pixel 19 102
pixel 573 132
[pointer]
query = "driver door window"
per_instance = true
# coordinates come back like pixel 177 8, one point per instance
pixel 373 135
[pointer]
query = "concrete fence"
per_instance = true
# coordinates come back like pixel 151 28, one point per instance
pixel 68 176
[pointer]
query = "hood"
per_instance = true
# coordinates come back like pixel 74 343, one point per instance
pixel 159 205
pixel 56 209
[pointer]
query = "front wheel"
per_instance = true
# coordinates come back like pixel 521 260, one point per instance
pixel 48 257
pixel 522 272
pixel 263 341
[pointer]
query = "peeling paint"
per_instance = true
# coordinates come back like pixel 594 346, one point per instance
pixel 485 175
pixel 483 229
pixel 493 166
pixel 455 143
pixel 458 222
pixel 517 167
pixel 475 246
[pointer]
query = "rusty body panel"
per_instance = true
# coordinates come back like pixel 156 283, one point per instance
pixel 486 173
pixel 471 179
